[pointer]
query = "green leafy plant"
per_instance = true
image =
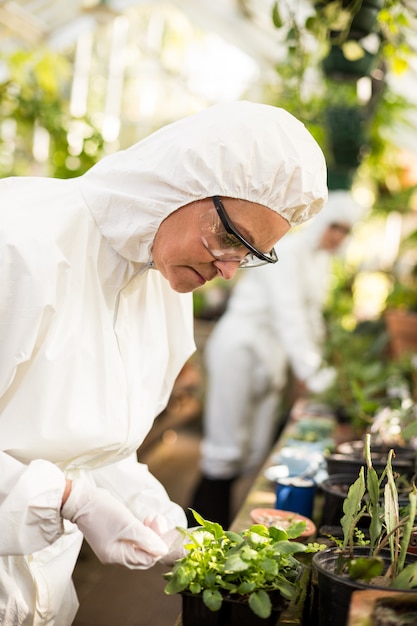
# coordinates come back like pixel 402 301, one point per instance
pixel 390 527
pixel 248 564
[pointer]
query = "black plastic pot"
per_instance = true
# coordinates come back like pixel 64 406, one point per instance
pixel 194 611
pixel 335 489
pixel 233 612
pixel 338 463
pixel 357 449
pixel 334 590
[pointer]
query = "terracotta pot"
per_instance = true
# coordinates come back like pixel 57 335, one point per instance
pixel 402 330
pixel 369 606
pixel 282 519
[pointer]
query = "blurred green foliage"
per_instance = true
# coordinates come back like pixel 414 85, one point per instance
pixel 35 94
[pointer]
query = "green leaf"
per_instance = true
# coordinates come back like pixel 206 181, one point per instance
pixel 277 534
pixel 195 588
pixel 212 599
pixel 248 554
pixel 375 527
pixel 255 538
pixel 296 529
pixel 180 580
pixel 407 579
pixel 234 537
pixel 286 588
pixel 289 547
pixel 260 529
pixel 211 527
pixel 352 504
pixel 235 563
pixel 365 568
pixel 408 528
pixel 391 511
pixel 260 603
pixel 276 16
pixel 269 566
pixel 246 587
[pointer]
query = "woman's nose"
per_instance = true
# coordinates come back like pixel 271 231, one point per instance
pixel 226 269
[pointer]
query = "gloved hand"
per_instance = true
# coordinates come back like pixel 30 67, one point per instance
pixel 173 539
pixel 321 380
pixel 113 532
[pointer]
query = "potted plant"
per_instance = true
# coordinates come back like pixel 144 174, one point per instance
pixel 237 578
pixel 382 560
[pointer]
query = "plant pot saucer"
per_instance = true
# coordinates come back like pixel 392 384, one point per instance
pixel 282 519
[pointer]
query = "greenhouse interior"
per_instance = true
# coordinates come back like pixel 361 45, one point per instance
pixel 273 452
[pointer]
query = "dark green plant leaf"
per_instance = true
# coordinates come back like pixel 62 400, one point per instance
pixel 365 568
pixel 372 484
pixel 407 579
pixel 276 16
pixel 234 537
pixel 246 587
pixel 352 504
pixel 260 603
pixel 180 580
pixel 408 528
pixel 195 588
pixel 212 599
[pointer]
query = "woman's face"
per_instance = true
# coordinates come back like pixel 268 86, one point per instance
pixel 180 252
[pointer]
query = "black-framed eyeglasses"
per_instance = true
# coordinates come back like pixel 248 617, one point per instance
pixel 223 240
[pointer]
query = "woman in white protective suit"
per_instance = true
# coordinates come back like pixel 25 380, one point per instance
pixel 273 322
pixel 96 323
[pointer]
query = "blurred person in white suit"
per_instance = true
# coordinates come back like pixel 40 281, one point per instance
pixel 273 324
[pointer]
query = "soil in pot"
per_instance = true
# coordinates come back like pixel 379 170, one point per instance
pixel 335 591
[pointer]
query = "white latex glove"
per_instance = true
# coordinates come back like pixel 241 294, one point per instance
pixel 113 532
pixel 173 539
pixel 321 380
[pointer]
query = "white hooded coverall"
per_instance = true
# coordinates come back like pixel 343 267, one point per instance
pixel 273 321
pixel 92 339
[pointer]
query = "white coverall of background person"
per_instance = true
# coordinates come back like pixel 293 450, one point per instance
pixel 92 339
pixel 273 320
